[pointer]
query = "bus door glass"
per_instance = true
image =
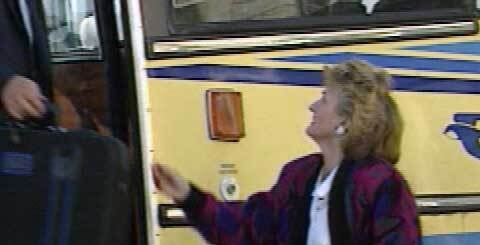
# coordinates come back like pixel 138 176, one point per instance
pixel 81 86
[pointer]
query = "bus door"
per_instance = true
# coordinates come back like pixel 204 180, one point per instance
pixel 224 85
pixel 81 85
pixel 91 78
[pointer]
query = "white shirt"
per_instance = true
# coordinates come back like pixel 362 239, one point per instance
pixel 26 18
pixel 318 232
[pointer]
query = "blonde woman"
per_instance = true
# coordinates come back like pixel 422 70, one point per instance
pixel 348 194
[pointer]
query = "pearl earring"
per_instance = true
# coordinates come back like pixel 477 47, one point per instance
pixel 340 130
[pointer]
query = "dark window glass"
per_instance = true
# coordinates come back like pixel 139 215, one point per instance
pixel 191 12
pixel 72 28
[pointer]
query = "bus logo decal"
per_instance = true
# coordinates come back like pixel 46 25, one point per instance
pixel 465 130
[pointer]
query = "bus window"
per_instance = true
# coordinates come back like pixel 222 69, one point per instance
pixel 231 10
pixel 79 79
pixel 409 5
pixel 72 28
pixel 169 23
pixel 204 11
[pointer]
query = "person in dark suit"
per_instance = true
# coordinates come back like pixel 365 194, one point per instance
pixel 25 82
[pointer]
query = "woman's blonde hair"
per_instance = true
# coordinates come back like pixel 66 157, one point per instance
pixel 372 119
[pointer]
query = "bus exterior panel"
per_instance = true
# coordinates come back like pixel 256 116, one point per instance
pixel 436 82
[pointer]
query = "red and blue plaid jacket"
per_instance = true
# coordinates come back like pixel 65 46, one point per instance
pixel 369 204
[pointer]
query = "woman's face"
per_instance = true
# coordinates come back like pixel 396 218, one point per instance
pixel 325 118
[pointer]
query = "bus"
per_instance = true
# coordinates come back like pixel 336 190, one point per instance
pixel 219 89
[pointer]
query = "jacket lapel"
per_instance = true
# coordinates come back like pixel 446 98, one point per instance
pixel 340 233
pixel 300 217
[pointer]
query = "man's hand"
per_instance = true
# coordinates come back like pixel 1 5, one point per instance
pixel 21 98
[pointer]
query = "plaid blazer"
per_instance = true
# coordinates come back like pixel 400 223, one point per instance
pixel 369 204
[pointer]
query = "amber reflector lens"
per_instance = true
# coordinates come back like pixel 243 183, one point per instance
pixel 225 115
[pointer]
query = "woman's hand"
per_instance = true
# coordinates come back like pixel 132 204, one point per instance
pixel 170 183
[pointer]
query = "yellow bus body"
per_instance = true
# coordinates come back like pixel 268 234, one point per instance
pixel 276 114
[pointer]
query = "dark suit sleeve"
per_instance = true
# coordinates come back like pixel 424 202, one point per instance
pixel 5 73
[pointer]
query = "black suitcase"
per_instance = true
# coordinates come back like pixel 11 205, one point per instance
pixel 63 188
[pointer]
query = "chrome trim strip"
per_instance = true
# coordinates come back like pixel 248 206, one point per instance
pixel 447 202
pixel 185 47
pixel 175 213
pixel 448 205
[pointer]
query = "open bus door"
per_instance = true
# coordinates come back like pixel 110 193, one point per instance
pixel 93 86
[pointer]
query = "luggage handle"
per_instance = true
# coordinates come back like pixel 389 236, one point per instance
pixel 47 122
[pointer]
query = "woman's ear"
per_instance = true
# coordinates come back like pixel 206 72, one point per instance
pixel 340 130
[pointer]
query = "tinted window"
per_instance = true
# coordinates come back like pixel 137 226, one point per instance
pixel 72 28
pixel 192 12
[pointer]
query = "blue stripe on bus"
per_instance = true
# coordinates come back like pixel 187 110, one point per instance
pixel 470 48
pixel 279 76
pixel 239 74
pixel 390 61
pixel 449 239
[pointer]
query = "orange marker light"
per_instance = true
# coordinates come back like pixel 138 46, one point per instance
pixel 225 115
